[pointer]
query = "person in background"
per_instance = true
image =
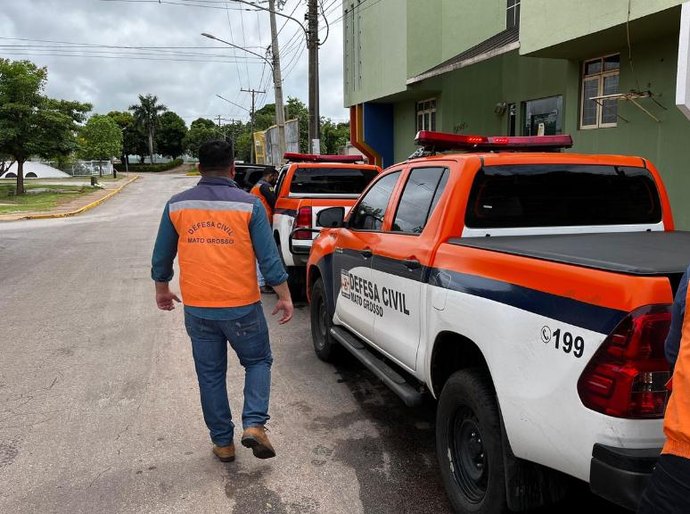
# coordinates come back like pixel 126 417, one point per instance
pixel 218 232
pixel 264 190
pixel 668 489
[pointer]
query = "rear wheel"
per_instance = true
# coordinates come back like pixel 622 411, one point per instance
pixel 296 282
pixel 468 444
pixel 296 274
pixel 324 345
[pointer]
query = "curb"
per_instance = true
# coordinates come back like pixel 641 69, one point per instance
pixel 81 209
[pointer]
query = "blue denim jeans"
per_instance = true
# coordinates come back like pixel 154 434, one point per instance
pixel 248 337
pixel 668 489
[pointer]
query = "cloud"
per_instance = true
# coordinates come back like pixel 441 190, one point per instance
pixel 187 85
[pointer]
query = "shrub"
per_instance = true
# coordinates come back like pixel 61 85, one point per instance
pixel 142 168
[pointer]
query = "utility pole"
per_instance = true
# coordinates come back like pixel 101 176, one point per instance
pixel 277 82
pixel 253 92
pixel 313 46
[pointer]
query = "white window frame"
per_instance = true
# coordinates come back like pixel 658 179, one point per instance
pixel 600 78
pixel 420 111
pixel 516 18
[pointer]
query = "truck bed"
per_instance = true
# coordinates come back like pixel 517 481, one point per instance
pixel 633 253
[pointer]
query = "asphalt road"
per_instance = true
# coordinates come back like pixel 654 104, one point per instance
pixel 99 407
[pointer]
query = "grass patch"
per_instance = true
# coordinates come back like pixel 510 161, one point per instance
pixel 50 195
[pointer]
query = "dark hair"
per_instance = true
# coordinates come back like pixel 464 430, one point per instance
pixel 215 156
pixel 270 171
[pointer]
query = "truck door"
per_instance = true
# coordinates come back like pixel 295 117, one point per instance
pixel 400 264
pixel 352 258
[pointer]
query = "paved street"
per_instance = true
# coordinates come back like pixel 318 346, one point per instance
pixel 99 407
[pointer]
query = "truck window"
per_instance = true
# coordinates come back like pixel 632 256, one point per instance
pixel 422 191
pixel 368 213
pixel 331 180
pixel 281 178
pixel 533 195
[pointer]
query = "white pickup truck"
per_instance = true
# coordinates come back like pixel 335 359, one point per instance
pixel 529 292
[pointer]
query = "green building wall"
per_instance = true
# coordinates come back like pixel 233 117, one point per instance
pixel 467 98
pixel 569 20
pixel 666 143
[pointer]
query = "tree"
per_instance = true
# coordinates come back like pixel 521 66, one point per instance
pixel 31 123
pixel 170 136
pixel 146 114
pixel 243 145
pixel 6 163
pixel 265 117
pixel 100 139
pixel 333 136
pixel 131 136
pixel 200 131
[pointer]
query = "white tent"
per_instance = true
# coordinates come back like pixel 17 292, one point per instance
pixel 35 170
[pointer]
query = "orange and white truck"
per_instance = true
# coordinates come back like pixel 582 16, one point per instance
pixel 529 292
pixel 307 184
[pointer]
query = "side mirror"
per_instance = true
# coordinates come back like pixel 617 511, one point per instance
pixel 331 218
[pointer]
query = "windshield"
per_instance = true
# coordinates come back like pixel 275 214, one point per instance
pixel 325 180
pixel 529 195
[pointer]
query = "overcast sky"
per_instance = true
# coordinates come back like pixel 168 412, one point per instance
pixel 86 46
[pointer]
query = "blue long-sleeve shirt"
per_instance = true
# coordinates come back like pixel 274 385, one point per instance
pixel 672 344
pixel 270 264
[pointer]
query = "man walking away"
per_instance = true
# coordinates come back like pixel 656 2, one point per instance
pixel 264 191
pixel 668 489
pixel 218 233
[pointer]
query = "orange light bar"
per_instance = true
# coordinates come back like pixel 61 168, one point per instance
pixel 310 157
pixel 446 141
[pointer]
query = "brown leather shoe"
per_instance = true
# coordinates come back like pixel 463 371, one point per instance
pixel 224 453
pixel 255 438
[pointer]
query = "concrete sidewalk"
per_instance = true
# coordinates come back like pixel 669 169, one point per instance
pixel 78 205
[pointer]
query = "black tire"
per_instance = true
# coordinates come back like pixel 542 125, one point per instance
pixel 324 345
pixel 296 275
pixel 296 282
pixel 468 444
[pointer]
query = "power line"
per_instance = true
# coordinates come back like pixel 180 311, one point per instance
pixel 201 4
pixel 357 7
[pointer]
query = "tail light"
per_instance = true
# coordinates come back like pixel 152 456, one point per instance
pixel 626 377
pixel 303 220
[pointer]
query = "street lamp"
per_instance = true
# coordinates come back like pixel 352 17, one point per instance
pixel 277 85
pixel 311 31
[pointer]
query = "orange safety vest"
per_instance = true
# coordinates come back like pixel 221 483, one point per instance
pixel 215 252
pixel 256 191
pixel 677 417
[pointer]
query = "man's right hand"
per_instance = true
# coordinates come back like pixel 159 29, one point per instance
pixel 165 299
pixel 284 303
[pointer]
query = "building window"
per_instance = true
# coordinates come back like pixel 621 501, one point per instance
pixel 543 117
pixel 426 114
pixel 513 14
pixel 599 79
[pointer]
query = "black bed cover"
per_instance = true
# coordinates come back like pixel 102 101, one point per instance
pixel 633 253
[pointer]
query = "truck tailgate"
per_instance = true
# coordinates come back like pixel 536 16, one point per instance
pixel 632 253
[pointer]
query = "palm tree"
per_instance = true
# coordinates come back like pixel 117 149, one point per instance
pixel 146 114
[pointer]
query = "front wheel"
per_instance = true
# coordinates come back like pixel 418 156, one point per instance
pixel 324 345
pixel 468 444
